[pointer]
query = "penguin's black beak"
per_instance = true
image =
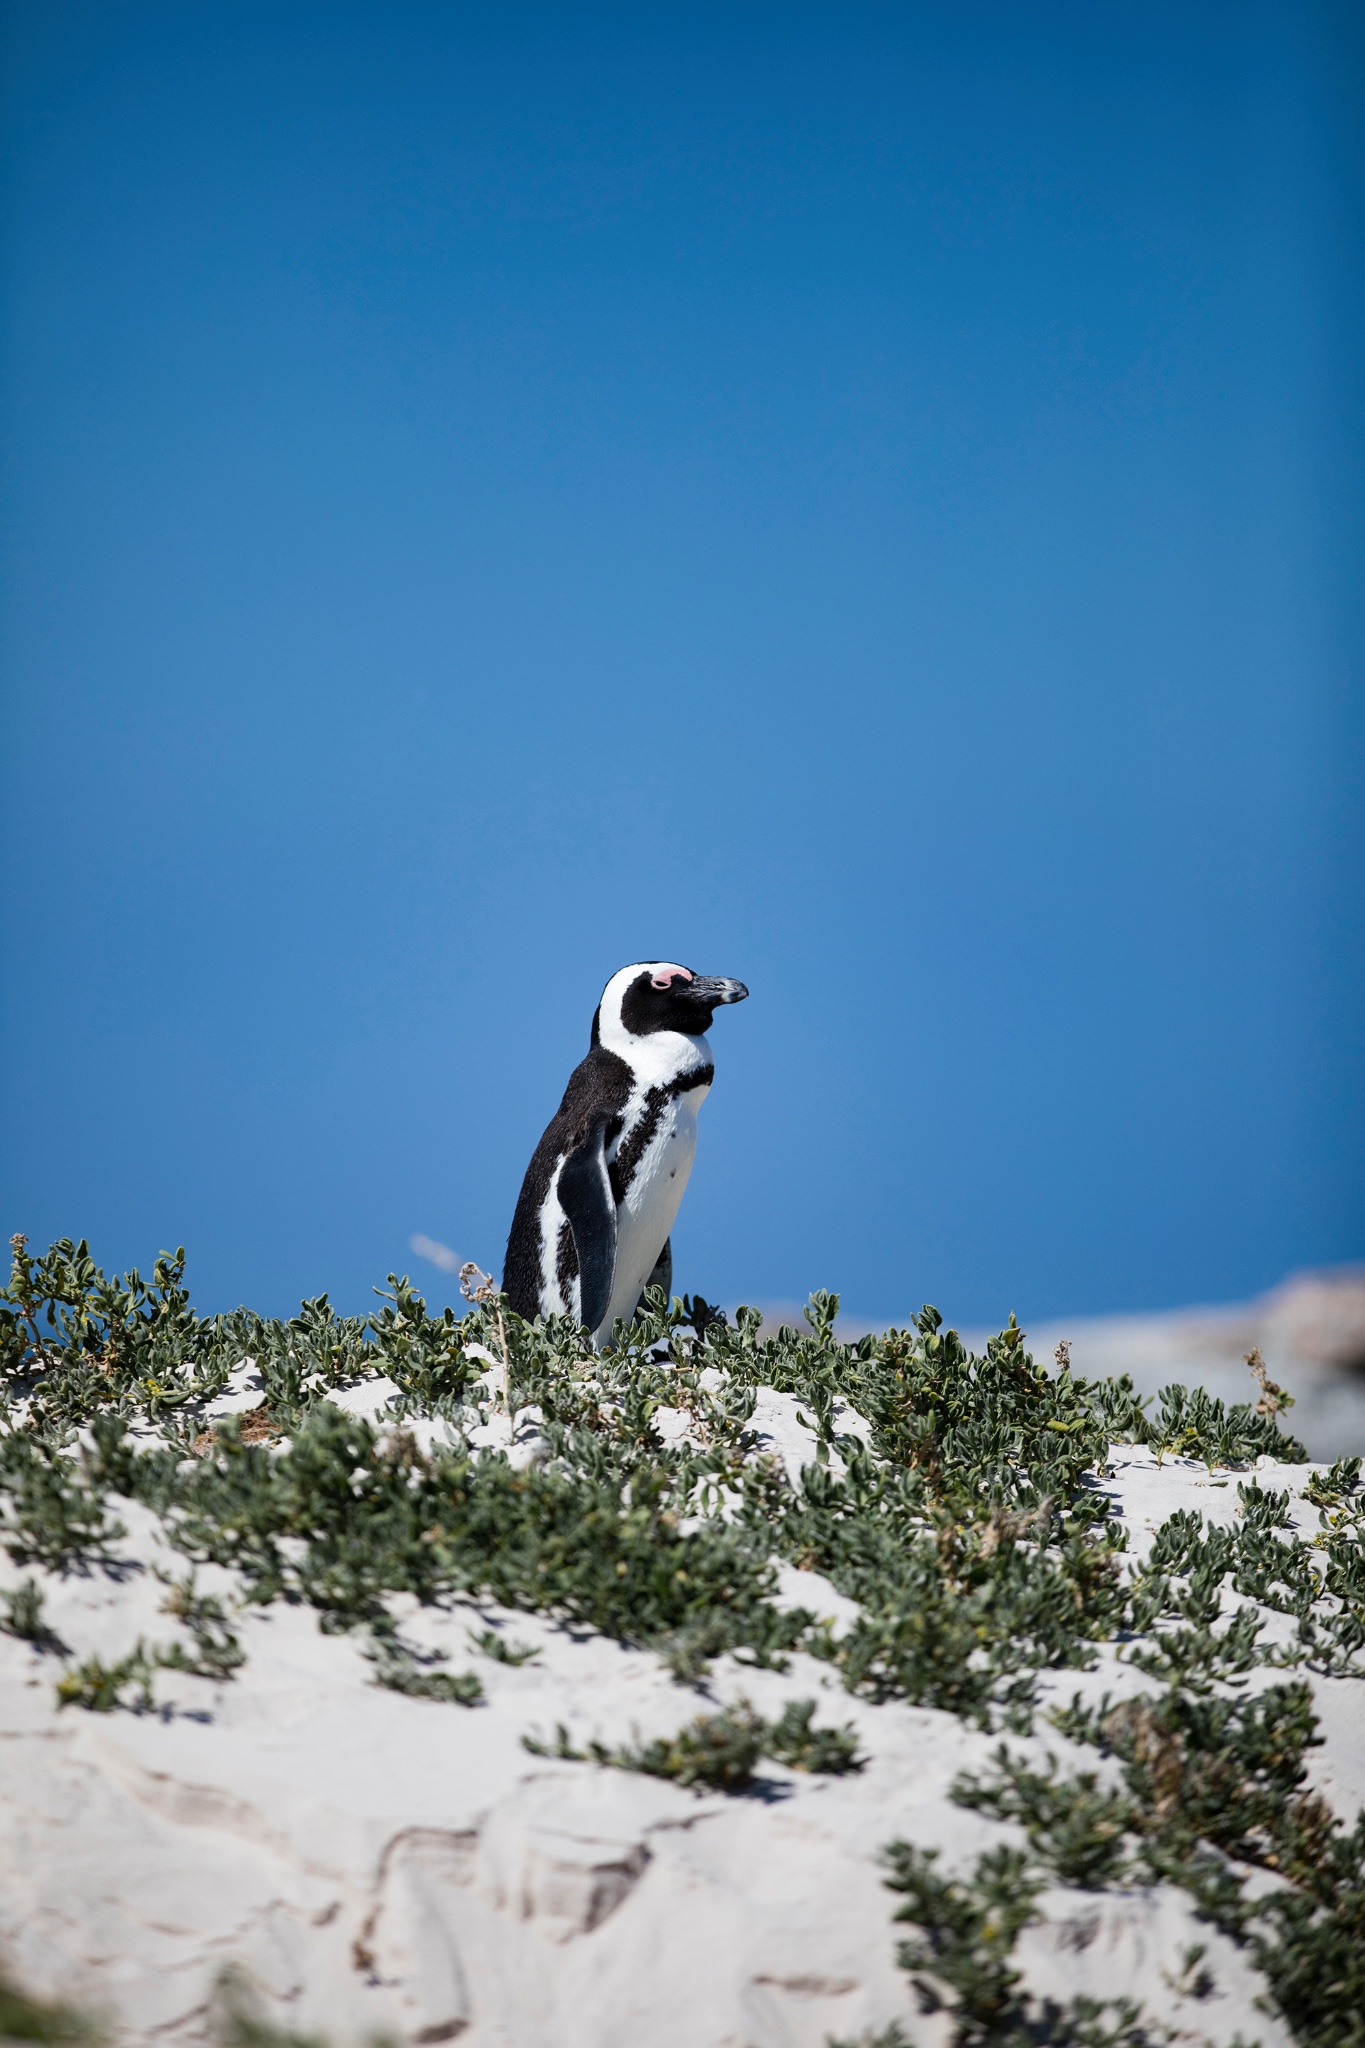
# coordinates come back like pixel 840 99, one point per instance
pixel 716 988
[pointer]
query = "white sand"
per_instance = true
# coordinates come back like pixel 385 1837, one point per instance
pixel 380 1864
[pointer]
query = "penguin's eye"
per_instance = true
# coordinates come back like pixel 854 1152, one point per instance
pixel 666 980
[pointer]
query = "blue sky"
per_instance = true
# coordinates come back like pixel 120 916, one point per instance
pixel 864 499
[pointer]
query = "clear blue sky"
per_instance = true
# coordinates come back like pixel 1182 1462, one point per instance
pixel 864 499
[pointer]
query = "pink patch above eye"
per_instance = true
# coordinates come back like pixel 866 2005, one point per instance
pixel 671 975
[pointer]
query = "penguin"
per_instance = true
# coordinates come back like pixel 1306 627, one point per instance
pixel 592 1223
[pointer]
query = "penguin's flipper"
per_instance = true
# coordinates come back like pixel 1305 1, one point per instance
pixel 586 1198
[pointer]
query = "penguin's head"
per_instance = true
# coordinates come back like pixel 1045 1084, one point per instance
pixel 658 995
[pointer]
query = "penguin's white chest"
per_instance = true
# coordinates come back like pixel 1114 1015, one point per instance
pixel 649 1205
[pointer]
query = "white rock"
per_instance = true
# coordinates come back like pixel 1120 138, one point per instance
pixel 520 1437
pixel 676 1426
pixel 245 1389
pixel 481 1351
pixel 784 1426
pixel 813 1591
pixel 368 1399
pixel 1088 1944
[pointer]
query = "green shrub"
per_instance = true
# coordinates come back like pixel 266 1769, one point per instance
pixel 457 1688
pixel 21 1615
pixel 502 1649
pixel 101 1688
pixel 723 1750
pixel 792 1740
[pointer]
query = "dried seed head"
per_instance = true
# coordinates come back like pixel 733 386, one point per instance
pixel 476 1285
pixel 1272 1398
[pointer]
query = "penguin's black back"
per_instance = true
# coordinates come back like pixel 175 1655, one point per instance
pixel 599 1086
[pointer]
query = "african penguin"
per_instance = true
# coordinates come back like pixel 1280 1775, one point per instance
pixel 602 1190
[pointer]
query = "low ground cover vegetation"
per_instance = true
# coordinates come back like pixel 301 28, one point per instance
pixel 965 1515
pixel 723 1750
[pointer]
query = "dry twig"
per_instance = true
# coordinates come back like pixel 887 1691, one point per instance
pixel 1272 1398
